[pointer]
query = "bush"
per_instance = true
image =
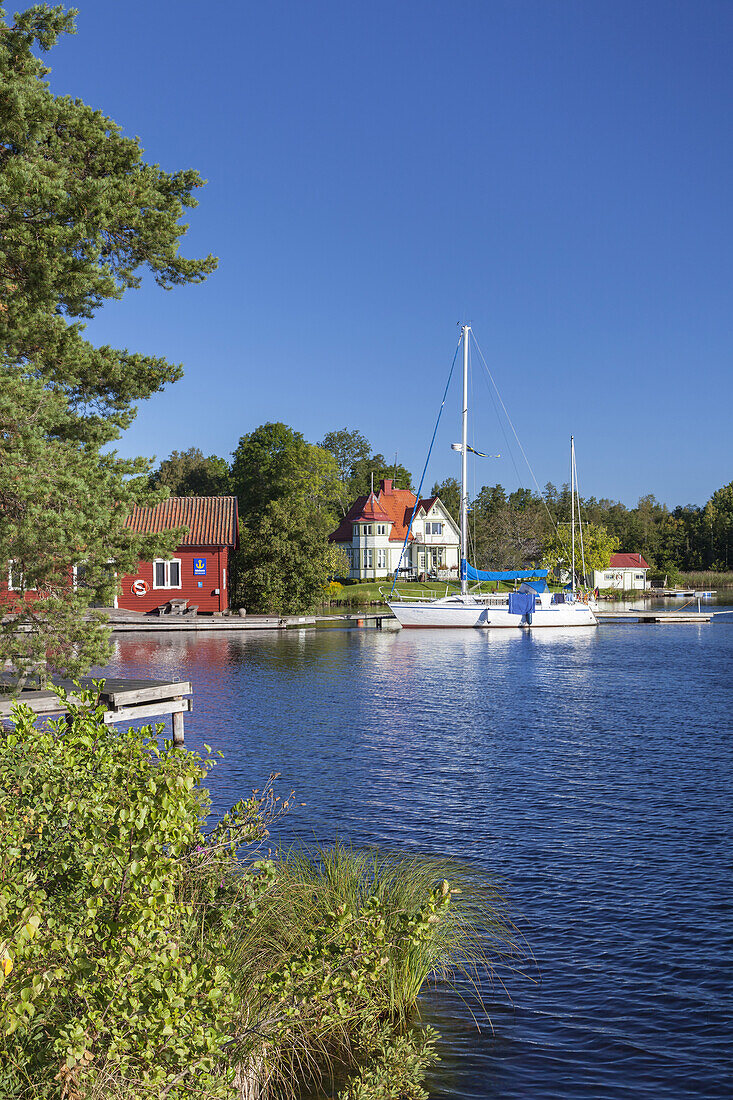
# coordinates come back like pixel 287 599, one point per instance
pixel 96 826
pixel 142 957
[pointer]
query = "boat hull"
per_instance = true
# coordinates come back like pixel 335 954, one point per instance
pixel 475 616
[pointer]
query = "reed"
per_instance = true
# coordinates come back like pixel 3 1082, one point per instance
pixel 470 943
pixel 706 580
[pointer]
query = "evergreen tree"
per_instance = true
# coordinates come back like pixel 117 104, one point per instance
pixel 81 215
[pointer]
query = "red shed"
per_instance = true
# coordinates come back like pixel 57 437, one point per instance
pixel 199 569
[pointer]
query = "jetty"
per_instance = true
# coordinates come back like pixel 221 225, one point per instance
pixel 124 700
pixel 126 622
pixel 639 616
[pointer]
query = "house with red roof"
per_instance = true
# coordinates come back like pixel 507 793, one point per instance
pixel 373 534
pixel 199 569
pixel 625 572
pixel 198 572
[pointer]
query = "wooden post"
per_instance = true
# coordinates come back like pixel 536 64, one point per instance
pixel 177 719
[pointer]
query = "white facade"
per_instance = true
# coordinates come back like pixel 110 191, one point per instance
pixel 433 549
pixel 624 578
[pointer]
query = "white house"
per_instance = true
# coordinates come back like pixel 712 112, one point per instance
pixel 373 533
pixel 625 572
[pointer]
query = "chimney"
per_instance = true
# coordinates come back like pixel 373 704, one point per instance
pixel 385 486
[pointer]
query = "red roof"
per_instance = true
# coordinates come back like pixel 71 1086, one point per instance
pixel 388 505
pixel 211 521
pixel 628 561
pixel 373 510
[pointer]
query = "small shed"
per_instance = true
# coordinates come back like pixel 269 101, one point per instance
pixel 199 570
pixel 625 572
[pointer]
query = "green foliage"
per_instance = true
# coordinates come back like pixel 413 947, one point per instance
pixel 392 1064
pixel 358 466
pixel 598 546
pixel 285 559
pixel 378 468
pixel 274 464
pixel 190 474
pixel 81 214
pixel 345 941
pixel 97 826
pixel 287 490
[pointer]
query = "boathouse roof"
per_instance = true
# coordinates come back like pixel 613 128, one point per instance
pixel 211 521
pixel 628 561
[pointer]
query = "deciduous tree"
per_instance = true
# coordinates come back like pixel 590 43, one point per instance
pixel 191 474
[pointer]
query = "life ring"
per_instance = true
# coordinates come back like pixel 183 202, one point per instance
pixel 618 577
pixel 139 587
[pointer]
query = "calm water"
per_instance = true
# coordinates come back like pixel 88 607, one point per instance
pixel 589 770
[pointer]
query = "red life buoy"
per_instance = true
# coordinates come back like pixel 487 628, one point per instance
pixel 139 587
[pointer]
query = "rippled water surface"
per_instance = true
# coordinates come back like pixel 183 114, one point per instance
pixel 588 769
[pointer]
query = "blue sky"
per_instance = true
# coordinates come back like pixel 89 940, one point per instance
pixel 557 173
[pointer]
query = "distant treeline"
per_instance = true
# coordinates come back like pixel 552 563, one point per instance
pixel 505 527
pixel 276 464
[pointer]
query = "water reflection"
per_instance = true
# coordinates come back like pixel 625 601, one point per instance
pixel 588 769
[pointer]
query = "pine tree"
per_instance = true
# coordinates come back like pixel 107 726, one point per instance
pixel 81 215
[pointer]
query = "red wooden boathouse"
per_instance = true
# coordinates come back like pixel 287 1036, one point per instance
pixel 199 569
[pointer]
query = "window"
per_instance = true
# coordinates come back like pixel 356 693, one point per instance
pixel 381 528
pixel 224 576
pixel 16 578
pixel 433 528
pixel 381 559
pixel 367 530
pixel 368 559
pixel 167 574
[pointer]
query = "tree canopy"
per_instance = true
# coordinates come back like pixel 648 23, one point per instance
pixel 82 216
pixel 359 466
pixel 191 474
pixel 288 491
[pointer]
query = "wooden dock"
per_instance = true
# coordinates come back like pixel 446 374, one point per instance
pixel 125 700
pixel 126 622
pixel 635 616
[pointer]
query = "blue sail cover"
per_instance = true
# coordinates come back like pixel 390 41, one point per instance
pixel 471 574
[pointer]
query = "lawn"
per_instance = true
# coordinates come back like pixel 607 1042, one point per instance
pixel 365 592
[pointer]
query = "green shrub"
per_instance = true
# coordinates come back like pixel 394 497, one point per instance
pixel 98 987
pixel 142 957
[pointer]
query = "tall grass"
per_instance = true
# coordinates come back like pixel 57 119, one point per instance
pixel 471 943
pixel 706 580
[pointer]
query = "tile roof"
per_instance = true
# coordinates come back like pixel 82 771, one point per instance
pixel 394 506
pixel 373 510
pixel 628 561
pixel 211 521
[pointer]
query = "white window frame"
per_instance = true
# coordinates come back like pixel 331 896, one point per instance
pixel 381 528
pixel 368 559
pixel 381 559
pixel 21 580
pixel 367 529
pixel 167 562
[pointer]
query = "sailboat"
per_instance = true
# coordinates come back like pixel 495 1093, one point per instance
pixel 531 605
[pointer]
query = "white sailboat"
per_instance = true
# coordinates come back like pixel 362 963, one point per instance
pixel 532 605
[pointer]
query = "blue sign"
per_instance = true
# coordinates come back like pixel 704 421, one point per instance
pixel 199 567
pixel 201 584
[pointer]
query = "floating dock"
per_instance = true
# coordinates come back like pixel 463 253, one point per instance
pixel 634 616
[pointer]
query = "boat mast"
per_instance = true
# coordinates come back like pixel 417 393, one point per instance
pixel 464 474
pixel 572 513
